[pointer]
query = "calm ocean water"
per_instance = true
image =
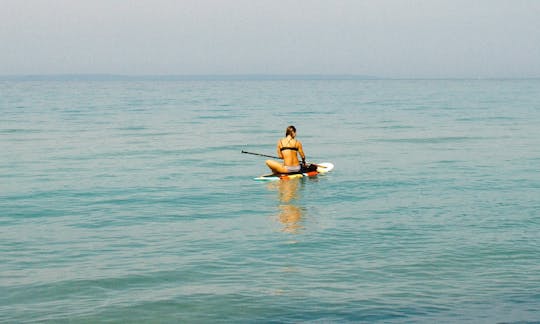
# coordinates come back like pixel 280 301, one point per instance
pixel 130 201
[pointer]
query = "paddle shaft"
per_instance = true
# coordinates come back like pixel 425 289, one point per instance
pixel 259 154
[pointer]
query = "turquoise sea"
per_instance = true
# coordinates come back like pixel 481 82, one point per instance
pixel 130 201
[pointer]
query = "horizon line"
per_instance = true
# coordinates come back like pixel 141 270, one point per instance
pixel 224 77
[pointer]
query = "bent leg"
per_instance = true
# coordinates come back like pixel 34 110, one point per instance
pixel 276 167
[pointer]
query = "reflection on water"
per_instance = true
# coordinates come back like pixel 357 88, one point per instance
pixel 290 214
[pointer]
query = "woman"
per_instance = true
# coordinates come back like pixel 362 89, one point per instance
pixel 288 149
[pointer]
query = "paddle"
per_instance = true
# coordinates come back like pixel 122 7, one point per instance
pixel 275 157
pixel 259 154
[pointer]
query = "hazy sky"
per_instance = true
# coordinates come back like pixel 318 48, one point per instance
pixel 386 38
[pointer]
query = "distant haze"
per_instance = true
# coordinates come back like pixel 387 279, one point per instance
pixel 383 38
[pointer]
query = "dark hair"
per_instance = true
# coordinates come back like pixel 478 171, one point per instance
pixel 290 130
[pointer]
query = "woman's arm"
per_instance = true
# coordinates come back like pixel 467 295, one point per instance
pixel 279 154
pixel 301 151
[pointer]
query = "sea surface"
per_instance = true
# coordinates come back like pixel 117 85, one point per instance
pixel 129 201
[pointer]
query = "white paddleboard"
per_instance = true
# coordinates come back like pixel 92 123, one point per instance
pixel 322 168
